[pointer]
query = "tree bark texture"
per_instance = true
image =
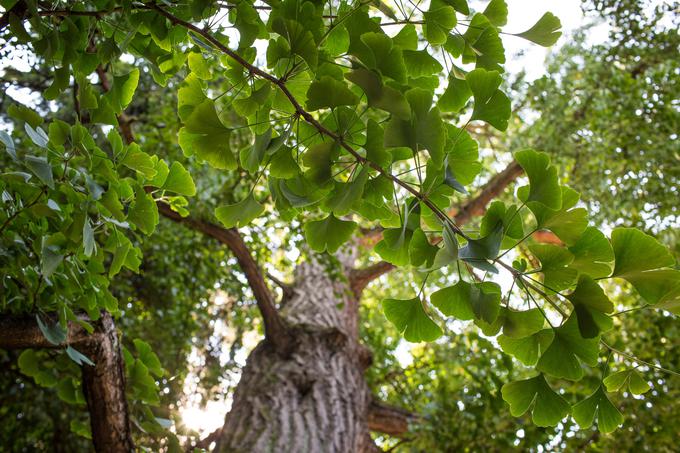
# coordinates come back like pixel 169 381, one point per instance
pixel 316 399
pixel 103 383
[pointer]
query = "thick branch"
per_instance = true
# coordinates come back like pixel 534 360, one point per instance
pixel 391 420
pixel 104 389
pixel 22 332
pixel 360 278
pixel 103 384
pixel 495 186
pixel 275 329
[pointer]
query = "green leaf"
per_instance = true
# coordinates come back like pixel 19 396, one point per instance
pixel 491 104
pixel 629 379
pixel 328 234
pixel 481 44
pixel 456 95
pixel 544 186
pixel 439 20
pixel 568 224
pixel 239 214
pixel 660 287
pixel 58 132
pixel 375 149
pixel 478 251
pixel 383 56
pixel 251 156
pixel 497 12
pixel 88 238
pixel 149 357
pixel 318 158
pixel 467 301
pixel 144 212
pixel 140 161
pixel 328 92
pixel 554 266
pixel 37 135
pixel 378 95
pixel 283 164
pixel 199 66
pixel 78 356
pixel 636 251
pixel 410 319
pixel 448 253
pixel 544 32
pixel 421 251
pixel 50 259
pixel 300 40
pixel 566 352
pixel 394 246
pixel 6 140
pixel 522 324
pixel 204 134
pixel 179 180
pixel 40 167
pixel 122 90
pixel 528 349
pixel 591 306
pixel 347 194
pixel 462 155
pixel 508 216
pixel 548 407
pixel 608 416
pixel 419 64
pixel 593 254
pixel 54 333
pixel 424 131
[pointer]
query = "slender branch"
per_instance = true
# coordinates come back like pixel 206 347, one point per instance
pixel 360 278
pixel 339 139
pixel 632 357
pixel 274 326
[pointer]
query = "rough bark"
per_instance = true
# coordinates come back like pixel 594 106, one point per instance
pixel 104 389
pixel 103 384
pixel 316 400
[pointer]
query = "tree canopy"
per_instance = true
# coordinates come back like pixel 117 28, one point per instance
pixel 179 164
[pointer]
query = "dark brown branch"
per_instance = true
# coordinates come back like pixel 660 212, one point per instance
pixel 206 441
pixel 387 419
pixel 274 326
pixel 103 383
pixel 104 389
pixel 360 278
pixel 19 10
pixel 22 332
pixel 495 186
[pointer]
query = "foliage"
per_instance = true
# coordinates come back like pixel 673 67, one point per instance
pixel 354 116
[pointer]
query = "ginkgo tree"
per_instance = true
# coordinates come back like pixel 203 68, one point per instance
pixel 348 118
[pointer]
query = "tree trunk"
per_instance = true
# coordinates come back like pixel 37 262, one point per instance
pixel 316 399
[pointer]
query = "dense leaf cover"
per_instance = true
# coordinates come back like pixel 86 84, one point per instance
pixel 341 117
